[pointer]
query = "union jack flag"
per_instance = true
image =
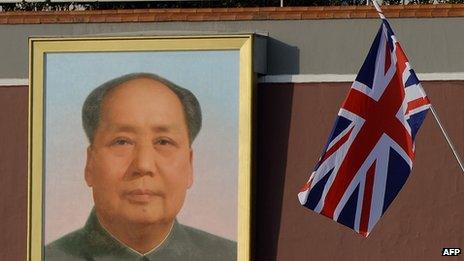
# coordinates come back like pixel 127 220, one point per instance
pixel 370 150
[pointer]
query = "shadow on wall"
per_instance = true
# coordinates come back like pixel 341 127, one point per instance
pixel 274 107
pixel 13 168
pixel 286 62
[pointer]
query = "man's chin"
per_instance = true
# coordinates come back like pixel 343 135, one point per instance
pixel 147 216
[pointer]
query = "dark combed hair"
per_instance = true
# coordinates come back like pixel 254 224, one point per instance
pixel 91 110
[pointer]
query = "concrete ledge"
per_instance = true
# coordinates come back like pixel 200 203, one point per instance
pixel 301 78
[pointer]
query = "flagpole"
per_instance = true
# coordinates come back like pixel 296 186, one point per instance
pixel 377 7
pixel 435 115
pixel 456 155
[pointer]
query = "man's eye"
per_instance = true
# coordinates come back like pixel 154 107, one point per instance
pixel 121 142
pixel 163 142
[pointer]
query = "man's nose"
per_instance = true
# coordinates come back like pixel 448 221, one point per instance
pixel 144 162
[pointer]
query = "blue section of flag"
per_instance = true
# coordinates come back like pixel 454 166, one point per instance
pixel 387 25
pixel 415 121
pixel 367 71
pixel 397 174
pixel 412 79
pixel 348 213
pixel 340 125
pixel 316 191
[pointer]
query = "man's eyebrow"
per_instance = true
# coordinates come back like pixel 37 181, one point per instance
pixel 121 128
pixel 129 128
pixel 164 128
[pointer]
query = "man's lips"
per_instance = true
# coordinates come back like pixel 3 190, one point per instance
pixel 140 195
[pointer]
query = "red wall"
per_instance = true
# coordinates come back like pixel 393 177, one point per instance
pixel 292 124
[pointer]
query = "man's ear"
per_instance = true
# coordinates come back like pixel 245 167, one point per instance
pixel 190 174
pixel 88 172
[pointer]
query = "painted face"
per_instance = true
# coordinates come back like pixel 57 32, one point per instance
pixel 140 163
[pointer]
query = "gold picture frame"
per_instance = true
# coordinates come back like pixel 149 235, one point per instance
pixel 41 48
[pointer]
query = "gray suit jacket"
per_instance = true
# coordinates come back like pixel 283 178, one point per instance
pixel 93 242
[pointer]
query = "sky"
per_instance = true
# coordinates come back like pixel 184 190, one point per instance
pixel 213 77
